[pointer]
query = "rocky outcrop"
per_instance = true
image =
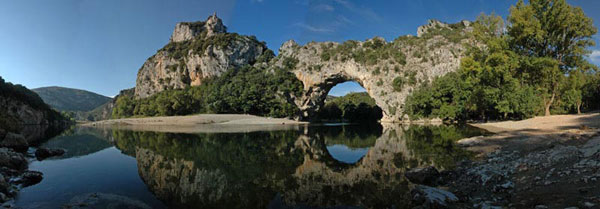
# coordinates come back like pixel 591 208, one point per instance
pixel 104 112
pixel 186 31
pixel 23 112
pixel 389 71
pixel 23 123
pixel 196 51
pixel 43 153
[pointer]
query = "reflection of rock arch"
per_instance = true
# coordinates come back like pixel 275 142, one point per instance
pixel 297 170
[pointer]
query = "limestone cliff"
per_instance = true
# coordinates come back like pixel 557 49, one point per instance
pixel 196 51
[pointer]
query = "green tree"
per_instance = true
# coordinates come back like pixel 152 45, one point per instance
pixel 554 36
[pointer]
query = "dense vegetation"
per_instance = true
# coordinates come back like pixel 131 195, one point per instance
pixel 353 107
pixel 376 50
pixel 67 99
pixel 249 90
pixel 535 65
pixel 12 92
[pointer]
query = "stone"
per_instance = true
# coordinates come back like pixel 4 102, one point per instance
pixel 43 153
pixel 164 71
pixel 29 178
pixel 541 207
pixel 12 160
pixel 426 176
pixel 15 141
pixel 2 133
pixel 430 24
pixel 589 204
pixel 430 197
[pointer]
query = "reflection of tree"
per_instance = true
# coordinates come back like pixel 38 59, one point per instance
pixel 78 142
pixel 353 136
pixel 436 144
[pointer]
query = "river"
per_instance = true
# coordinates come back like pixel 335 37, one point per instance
pixel 314 166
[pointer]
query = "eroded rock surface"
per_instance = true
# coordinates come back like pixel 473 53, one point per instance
pixel 196 51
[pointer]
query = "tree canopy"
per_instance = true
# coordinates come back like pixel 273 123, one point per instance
pixel 535 64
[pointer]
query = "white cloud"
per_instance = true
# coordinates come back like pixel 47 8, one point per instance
pixel 343 20
pixel 364 12
pixel 323 7
pixel 595 56
pixel 301 2
pixel 313 28
pixel 259 1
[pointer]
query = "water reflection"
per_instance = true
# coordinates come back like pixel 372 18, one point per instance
pixel 309 167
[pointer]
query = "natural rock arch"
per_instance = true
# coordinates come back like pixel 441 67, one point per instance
pixel 389 71
pixel 377 65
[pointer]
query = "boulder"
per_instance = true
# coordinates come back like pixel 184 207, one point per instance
pixel 2 133
pixel 29 178
pixel 430 197
pixel 15 141
pixel 43 153
pixel 12 160
pixel 426 176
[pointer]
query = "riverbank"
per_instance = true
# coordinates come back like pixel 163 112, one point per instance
pixel 207 123
pixel 543 162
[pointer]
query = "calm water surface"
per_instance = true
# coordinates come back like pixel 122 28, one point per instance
pixel 339 166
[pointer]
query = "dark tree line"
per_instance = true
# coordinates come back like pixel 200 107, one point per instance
pixel 353 107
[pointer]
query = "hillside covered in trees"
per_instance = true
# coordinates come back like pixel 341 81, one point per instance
pixel 535 63
pixel 68 99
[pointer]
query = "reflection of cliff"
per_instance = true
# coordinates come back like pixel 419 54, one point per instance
pixel 179 182
pixel 260 169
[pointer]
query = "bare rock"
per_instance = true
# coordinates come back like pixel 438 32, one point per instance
pixel 12 160
pixel 426 176
pixel 196 51
pixel 15 141
pixel 430 197
pixel 43 153
pixel 430 25
pixel 29 178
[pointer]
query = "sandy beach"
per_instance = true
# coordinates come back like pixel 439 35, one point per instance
pixel 211 123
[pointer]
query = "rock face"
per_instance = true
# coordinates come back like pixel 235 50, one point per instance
pixel 196 51
pixel 43 153
pixel 26 114
pixel 105 112
pixel 389 71
pixel 23 124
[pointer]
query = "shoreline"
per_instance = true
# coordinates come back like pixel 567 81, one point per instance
pixel 542 162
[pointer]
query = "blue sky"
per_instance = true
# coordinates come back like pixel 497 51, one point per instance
pixel 99 45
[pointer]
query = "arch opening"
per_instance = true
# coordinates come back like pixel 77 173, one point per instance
pixel 347 101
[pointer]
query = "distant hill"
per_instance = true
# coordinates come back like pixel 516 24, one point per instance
pixel 67 99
